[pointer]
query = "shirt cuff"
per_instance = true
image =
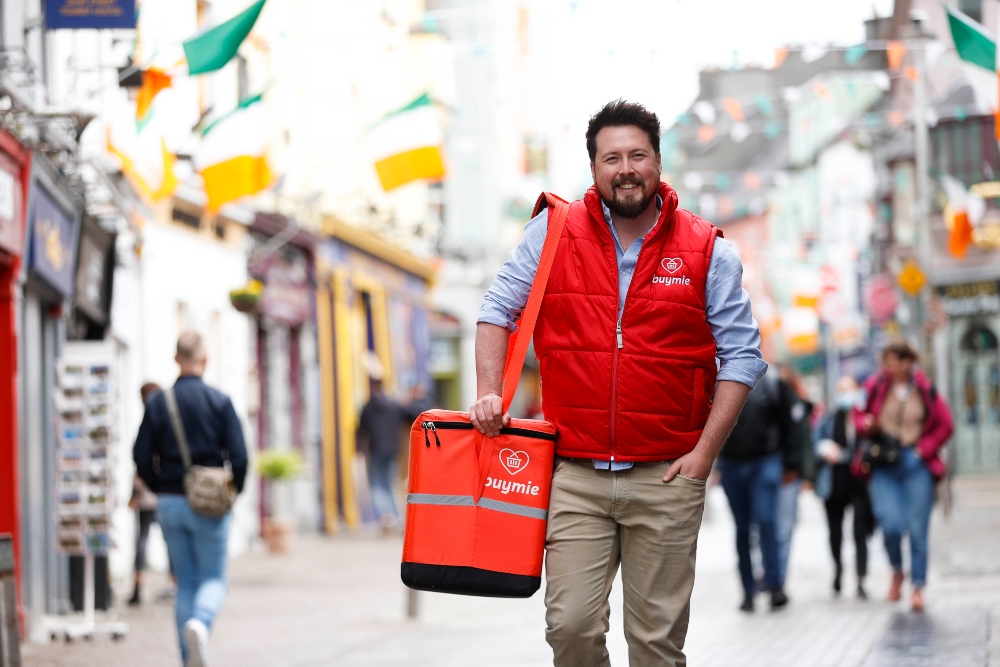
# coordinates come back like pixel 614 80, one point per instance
pixel 492 312
pixel 745 370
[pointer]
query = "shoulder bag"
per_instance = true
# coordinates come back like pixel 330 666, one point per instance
pixel 209 490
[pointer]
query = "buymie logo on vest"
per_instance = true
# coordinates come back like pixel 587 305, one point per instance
pixel 672 265
pixel 513 462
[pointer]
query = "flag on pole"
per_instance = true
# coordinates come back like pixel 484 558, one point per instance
pixel 153 81
pixel 232 159
pixel 212 49
pixel 407 144
pixel 963 212
pixel 977 49
pixel 145 160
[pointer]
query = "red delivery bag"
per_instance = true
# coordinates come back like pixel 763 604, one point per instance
pixel 476 507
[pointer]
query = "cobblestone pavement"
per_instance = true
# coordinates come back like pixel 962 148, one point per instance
pixel 339 602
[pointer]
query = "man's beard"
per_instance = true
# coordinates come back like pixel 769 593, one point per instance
pixel 627 207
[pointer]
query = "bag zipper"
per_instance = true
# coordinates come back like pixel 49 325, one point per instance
pixel 466 426
pixel 431 426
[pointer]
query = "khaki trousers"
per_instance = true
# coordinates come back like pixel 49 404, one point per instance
pixel 599 519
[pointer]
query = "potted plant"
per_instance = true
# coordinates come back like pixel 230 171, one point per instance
pixel 246 298
pixel 279 468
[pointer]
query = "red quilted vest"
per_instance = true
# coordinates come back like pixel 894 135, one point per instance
pixel 640 391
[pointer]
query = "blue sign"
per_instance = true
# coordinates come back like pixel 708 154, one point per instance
pixel 50 254
pixel 74 14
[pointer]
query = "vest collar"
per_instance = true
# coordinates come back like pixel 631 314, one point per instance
pixel 592 200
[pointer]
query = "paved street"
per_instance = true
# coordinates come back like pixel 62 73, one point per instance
pixel 339 602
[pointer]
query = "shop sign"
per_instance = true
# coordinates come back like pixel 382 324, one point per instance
pixel 10 205
pixel 982 298
pixel 100 14
pixel 51 244
pixel 288 295
pixel 92 289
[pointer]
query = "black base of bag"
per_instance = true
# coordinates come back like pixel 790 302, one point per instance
pixel 461 580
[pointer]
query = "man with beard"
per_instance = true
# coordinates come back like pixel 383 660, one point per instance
pixel 642 298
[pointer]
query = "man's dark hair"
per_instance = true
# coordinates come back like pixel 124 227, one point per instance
pixel 619 113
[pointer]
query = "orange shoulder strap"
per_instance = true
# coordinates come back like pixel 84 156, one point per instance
pixel 519 342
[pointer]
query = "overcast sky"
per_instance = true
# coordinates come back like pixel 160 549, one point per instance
pixel 652 50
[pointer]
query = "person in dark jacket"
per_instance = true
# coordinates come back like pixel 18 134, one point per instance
pixel 836 444
pixel 752 464
pixel 143 502
pixel 379 425
pixel 197 544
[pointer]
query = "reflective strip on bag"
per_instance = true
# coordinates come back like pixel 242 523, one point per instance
pixel 513 508
pixel 439 499
pixel 469 501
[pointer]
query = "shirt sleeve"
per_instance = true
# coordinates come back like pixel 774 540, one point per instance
pixel 235 445
pixel 508 294
pixel 737 336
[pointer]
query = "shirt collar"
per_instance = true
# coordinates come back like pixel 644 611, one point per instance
pixel 607 216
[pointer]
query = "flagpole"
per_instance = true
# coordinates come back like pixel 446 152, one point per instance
pixel 921 154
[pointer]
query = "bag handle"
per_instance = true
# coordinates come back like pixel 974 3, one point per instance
pixel 485 447
pixel 518 346
pixel 178 426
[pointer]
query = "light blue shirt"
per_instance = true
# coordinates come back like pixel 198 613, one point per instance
pixel 727 310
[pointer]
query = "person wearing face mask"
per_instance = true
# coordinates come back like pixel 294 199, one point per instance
pixel 904 404
pixel 836 444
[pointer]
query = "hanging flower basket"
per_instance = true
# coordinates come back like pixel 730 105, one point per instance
pixel 246 298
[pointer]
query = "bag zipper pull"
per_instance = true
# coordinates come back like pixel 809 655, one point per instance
pixel 618 333
pixel 434 428
pixel 427 441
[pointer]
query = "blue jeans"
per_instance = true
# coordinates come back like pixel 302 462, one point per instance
pixel 752 489
pixel 902 498
pixel 197 546
pixel 788 512
pixel 382 471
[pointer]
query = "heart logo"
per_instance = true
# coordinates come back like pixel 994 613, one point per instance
pixel 671 264
pixel 513 461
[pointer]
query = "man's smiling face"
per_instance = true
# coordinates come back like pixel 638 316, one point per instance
pixel 626 170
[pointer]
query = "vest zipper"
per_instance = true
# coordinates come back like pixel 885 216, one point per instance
pixel 614 386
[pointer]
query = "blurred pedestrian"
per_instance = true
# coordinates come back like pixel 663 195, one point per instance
pixel 836 446
pixel 143 503
pixel 905 406
pixel 197 544
pixel 752 464
pixel 379 432
pixel 642 299
pixel 799 468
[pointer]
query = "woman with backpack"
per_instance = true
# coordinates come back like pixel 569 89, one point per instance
pixel 905 423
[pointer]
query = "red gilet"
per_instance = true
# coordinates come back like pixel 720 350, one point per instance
pixel 640 391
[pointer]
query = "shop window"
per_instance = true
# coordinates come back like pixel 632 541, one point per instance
pixel 972 8
pixel 966 149
pixel 189 220
pixel 220 230
pixel 979 339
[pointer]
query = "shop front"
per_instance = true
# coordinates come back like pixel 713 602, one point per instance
pixel 14 166
pixel 973 311
pixel 288 410
pixel 371 301
pixel 52 233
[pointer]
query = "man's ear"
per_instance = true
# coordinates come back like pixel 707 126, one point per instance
pixel 659 163
pixel 593 173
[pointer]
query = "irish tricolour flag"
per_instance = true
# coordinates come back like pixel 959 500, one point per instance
pixel 406 144
pixel 978 50
pixel 233 155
